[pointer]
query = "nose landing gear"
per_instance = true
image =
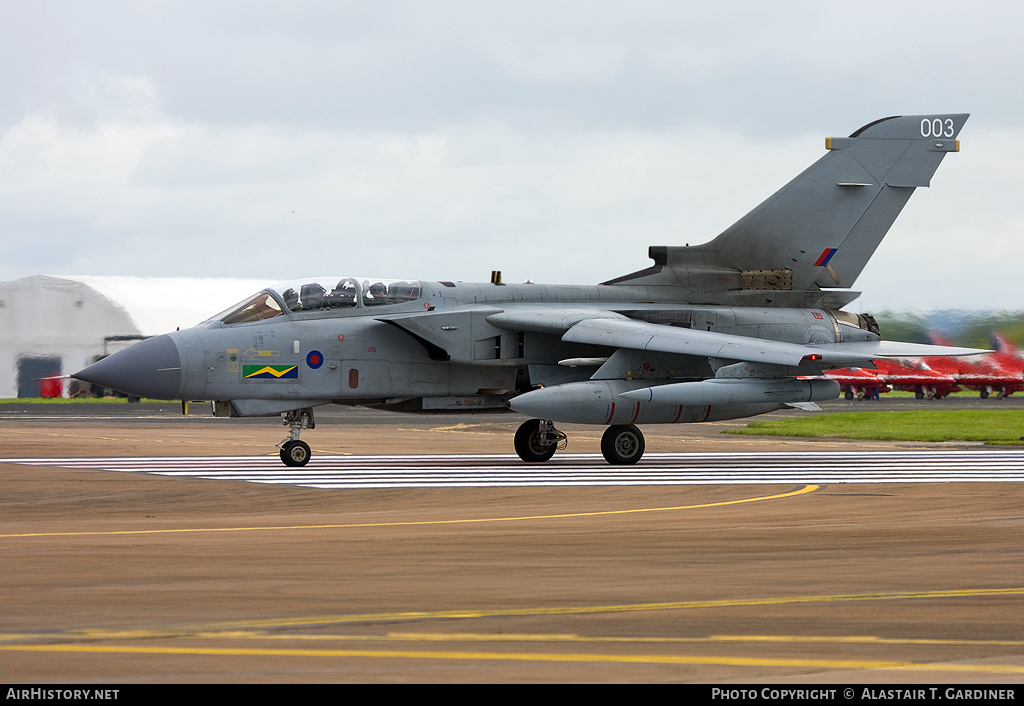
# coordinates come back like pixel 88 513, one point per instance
pixel 293 451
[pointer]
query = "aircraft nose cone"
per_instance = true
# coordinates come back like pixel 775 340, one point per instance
pixel 149 368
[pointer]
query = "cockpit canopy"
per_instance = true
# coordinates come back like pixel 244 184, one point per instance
pixel 322 294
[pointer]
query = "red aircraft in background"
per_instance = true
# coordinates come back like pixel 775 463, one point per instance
pixel 924 382
pixel 1000 372
pixel 858 383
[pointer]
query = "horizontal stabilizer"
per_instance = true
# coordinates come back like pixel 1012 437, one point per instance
pixel 804 406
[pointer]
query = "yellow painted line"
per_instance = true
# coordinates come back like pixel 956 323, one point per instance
pixel 94 634
pixel 245 628
pixel 529 657
pixel 756 639
pixel 461 427
pixel 619 608
pixel 245 625
pixel 422 523
pixel 865 640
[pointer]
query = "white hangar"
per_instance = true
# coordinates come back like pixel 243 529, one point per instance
pixel 53 326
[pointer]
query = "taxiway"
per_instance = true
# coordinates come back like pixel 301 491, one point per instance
pixel 137 552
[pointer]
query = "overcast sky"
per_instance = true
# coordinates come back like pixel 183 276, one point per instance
pixel 554 141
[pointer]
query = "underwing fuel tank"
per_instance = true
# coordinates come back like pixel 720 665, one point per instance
pixel 737 392
pixel 603 402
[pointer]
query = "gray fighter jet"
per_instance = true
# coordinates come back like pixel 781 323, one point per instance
pixel 739 326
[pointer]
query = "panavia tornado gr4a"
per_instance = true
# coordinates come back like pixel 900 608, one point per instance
pixel 739 326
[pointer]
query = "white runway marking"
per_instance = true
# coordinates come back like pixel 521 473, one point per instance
pixel 506 470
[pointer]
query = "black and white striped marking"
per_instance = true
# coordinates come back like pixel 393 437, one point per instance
pixel 506 470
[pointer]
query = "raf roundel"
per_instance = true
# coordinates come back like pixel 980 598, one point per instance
pixel 315 359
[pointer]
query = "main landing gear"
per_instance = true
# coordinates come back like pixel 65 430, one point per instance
pixel 622 444
pixel 537 440
pixel 293 451
pixel 988 390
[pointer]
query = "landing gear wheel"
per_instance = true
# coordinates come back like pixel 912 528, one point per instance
pixel 529 443
pixel 295 453
pixel 849 395
pixel 622 445
pixel 984 394
pixel 919 395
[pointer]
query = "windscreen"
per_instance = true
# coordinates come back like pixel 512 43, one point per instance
pixel 260 307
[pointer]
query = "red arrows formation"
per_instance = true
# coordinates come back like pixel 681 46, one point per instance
pixel 1000 373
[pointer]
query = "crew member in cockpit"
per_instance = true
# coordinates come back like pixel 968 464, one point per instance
pixel 379 292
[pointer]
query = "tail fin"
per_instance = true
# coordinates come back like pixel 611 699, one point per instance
pixel 1001 344
pixel 820 229
pixel 937 339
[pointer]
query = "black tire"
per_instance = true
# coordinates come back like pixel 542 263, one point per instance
pixel 622 445
pixel 527 443
pixel 849 395
pixel 295 453
pixel 919 395
pixel 984 394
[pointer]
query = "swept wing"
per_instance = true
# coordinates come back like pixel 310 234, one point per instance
pixel 620 332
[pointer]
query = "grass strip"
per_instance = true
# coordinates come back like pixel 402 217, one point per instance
pixel 988 426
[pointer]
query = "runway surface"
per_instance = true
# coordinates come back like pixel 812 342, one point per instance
pixel 754 560
pixel 506 470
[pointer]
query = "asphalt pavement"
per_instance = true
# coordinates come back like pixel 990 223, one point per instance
pixel 11 409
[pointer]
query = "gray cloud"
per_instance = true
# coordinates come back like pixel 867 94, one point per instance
pixel 553 141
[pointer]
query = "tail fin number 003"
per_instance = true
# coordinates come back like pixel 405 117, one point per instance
pixel 937 127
